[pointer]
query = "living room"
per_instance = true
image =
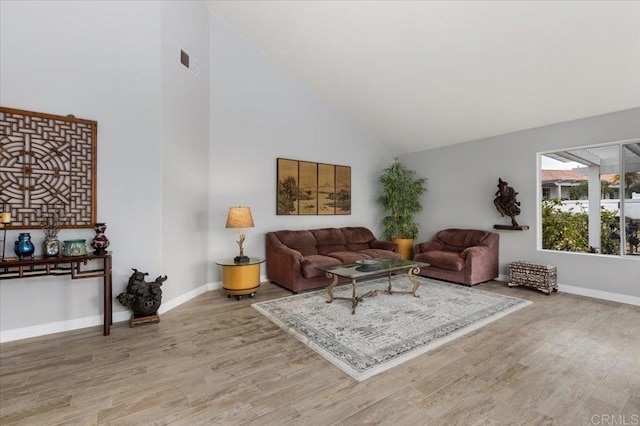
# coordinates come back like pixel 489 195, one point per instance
pixel 177 147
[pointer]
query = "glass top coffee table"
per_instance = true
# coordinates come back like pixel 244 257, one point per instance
pixel 369 268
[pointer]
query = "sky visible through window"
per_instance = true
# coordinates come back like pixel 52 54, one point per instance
pixel 551 164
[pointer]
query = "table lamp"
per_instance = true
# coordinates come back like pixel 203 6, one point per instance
pixel 240 217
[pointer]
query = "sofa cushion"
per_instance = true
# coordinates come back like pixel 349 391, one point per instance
pixel 357 237
pixel 442 259
pixel 311 261
pixel 329 240
pixel 302 241
pixel 357 247
pixel 380 253
pixel 349 256
pixel 459 239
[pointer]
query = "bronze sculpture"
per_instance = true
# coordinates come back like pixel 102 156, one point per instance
pixel 142 298
pixel 506 202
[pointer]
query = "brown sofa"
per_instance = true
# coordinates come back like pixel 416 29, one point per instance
pixel 465 256
pixel 292 255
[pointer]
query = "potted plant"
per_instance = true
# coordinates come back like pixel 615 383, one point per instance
pixel 401 192
pixel 51 221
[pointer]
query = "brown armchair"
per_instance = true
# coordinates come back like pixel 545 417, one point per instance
pixel 465 256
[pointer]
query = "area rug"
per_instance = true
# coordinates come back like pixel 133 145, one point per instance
pixel 386 330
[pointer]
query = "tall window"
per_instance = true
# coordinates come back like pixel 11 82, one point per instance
pixel 590 199
pixel 629 183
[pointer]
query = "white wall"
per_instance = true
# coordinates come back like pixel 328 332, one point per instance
pixel 463 179
pixel 260 112
pixel 175 150
pixel 185 147
pixel 99 61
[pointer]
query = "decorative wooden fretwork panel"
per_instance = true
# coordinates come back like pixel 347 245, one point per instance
pixel 47 162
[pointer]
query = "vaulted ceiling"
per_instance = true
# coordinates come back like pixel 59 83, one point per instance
pixel 422 74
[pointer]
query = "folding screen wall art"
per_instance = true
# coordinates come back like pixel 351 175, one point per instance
pixel 306 188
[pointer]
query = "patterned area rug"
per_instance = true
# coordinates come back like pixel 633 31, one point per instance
pixel 386 330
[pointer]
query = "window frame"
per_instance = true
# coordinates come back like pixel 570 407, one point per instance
pixel 621 197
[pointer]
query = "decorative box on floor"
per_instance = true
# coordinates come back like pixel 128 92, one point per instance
pixel 528 274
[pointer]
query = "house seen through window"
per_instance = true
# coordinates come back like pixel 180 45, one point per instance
pixel 590 199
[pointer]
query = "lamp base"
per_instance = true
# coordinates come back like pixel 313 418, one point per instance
pixel 241 259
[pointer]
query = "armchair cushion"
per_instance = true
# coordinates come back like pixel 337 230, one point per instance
pixel 429 246
pixel 457 239
pixel 444 259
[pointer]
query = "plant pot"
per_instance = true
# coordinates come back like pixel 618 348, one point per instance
pixel 405 247
pixel 51 246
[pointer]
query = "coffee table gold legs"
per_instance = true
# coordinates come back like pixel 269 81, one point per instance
pixel 331 286
pixel 415 283
pixel 354 299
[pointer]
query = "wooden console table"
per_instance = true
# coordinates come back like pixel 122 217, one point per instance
pixel 65 265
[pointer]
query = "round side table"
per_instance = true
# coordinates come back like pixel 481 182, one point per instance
pixel 240 279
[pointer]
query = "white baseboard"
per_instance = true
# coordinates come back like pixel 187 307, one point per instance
pixel 58 327
pixel 75 324
pixel 596 294
pixel 177 301
pixel 78 323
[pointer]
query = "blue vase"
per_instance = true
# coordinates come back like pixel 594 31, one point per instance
pixel 23 247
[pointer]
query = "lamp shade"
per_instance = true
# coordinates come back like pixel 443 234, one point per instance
pixel 239 217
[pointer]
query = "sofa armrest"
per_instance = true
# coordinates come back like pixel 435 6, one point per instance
pixel 383 245
pixel 275 247
pixel 428 246
pixel 480 263
pixel 283 262
pixel 475 251
pixel 487 250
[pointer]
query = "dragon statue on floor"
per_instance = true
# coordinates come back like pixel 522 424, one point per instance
pixel 142 298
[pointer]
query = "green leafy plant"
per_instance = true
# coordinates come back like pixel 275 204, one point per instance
pixel 631 179
pixel 569 230
pixel 564 230
pixel 581 191
pixel 609 232
pixel 401 192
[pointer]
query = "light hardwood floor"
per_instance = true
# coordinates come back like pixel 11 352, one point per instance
pixel 564 360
